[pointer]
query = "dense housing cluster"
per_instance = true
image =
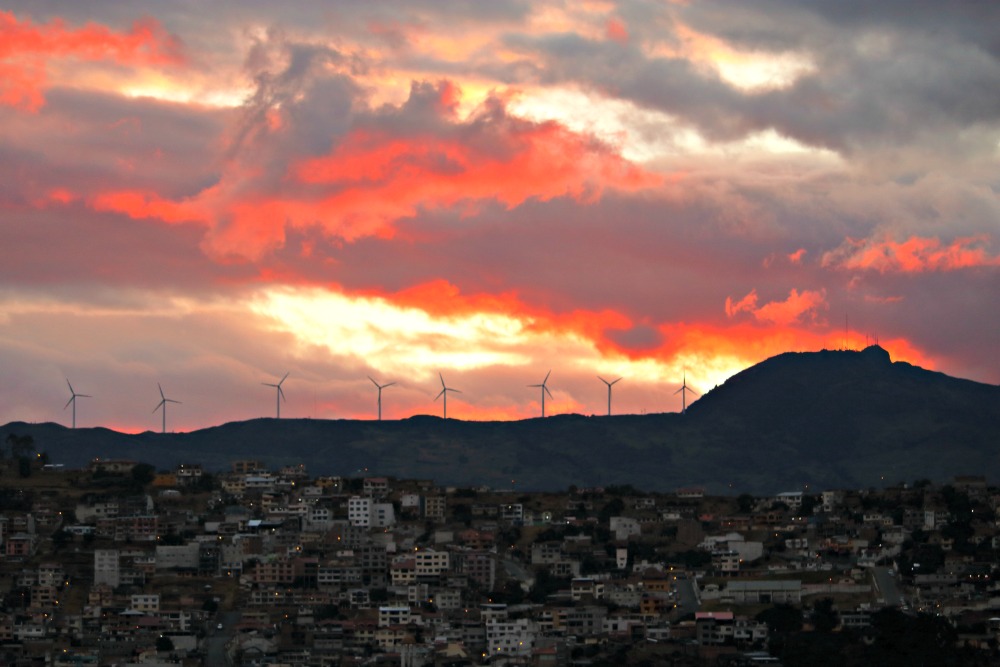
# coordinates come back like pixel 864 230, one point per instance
pixel 119 564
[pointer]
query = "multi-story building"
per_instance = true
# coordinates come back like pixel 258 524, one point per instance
pixel 431 563
pixel 510 637
pixel 107 567
pixel 359 511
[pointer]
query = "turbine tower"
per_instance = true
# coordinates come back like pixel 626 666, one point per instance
pixel 683 392
pixel 162 405
pixel 609 391
pixel 72 399
pixel 279 394
pixel 545 390
pixel 444 393
pixel 380 388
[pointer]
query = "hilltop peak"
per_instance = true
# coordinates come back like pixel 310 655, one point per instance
pixel 876 353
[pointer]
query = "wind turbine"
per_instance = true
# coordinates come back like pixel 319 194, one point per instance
pixel 609 391
pixel 444 392
pixel 683 392
pixel 279 394
pixel 545 390
pixel 380 388
pixel 72 399
pixel 163 405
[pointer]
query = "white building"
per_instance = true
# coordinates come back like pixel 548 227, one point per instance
pixel 430 563
pixel 389 616
pixel 147 603
pixel 624 527
pixel 106 567
pixel 359 511
pixel 510 638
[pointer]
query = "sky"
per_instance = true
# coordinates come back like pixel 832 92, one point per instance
pixel 210 196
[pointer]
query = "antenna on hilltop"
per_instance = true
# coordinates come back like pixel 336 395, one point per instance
pixel 609 391
pixel 380 388
pixel 444 392
pixel 545 390
pixel 683 392
pixel 72 399
pixel 162 405
pixel 279 394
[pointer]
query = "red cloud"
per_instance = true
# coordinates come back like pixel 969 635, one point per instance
pixel 25 47
pixel 376 176
pixel 789 311
pixel 139 205
pixel 796 257
pixel 916 254
pixel 616 30
pixel 381 172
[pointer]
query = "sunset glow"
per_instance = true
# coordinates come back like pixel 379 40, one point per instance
pixel 488 192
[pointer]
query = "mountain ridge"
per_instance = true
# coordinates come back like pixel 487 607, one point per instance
pixel 827 419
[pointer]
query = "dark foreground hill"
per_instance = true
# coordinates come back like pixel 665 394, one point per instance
pixel 826 419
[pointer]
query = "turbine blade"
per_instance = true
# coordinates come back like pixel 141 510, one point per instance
pixel 73 398
pixel 680 390
pixel 547 376
pixel 161 390
pixel 440 395
pixel 603 380
pixel 159 404
pixel 70 387
pixel 546 389
pixel 455 390
pixel 616 380
pixel 281 393
pixel 388 385
pixel 84 396
pixel 374 382
pixel 442 379
pixel 285 377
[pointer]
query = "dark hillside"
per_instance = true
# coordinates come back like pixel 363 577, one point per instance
pixel 831 419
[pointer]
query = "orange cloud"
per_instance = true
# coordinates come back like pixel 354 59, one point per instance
pixel 793 309
pixel 441 298
pixel 25 48
pixel 750 343
pixel 914 255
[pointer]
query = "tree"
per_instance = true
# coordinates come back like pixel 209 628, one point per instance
pixel 164 644
pixel 824 616
pixel 745 502
pixel 613 507
pixel 143 474
pixel 782 618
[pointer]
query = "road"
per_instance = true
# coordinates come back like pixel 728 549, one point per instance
pixel 687 598
pixel 887 586
pixel 215 642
